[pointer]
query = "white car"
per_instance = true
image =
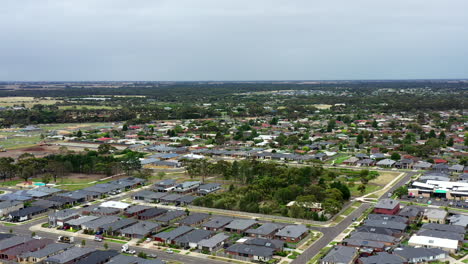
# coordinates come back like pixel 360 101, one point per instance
pixel 169 251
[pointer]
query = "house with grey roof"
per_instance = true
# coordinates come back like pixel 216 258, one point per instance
pixel 170 198
pixel 169 236
pixel 31 245
pixel 115 227
pixel 340 255
pixel 217 223
pixel 194 219
pixel 124 259
pixel 367 244
pixel 140 229
pixel 378 230
pixel 213 243
pixel 435 216
pixel 292 233
pixel 71 255
pixel 459 220
pixel 208 188
pixel 184 200
pixel 387 206
pixel 148 196
pixel 420 254
pixel 191 239
pixel 26 213
pixel 385 163
pixel 78 222
pixel 275 244
pixel 397 227
pixel 442 227
pixel 42 254
pixel 58 218
pixel 382 257
pixel 96 224
pixel 165 185
pixel 98 256
pixel 441 234
pixel 250 252
pixel 187 187
pixel 266 230
pixel 151 213
pixel 413 213
pixel 382 217
pixel 240 225
pixel 170 216
pixel 13 241
pixel 135 210
pixel 6 207
pixel 386 239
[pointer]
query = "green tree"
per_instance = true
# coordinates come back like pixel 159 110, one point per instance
pixel 395 156
pixel 360 139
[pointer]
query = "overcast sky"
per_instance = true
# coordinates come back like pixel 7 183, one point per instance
pixel 232 39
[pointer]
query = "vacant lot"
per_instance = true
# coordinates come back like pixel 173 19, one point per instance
pixel 26 101
pixel 385 177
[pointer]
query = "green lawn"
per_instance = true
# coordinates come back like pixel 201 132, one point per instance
pixel 340 160
pixel 115 241
pixel 369 188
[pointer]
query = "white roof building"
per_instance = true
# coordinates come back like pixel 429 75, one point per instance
pixel 434 242
pixel 115 204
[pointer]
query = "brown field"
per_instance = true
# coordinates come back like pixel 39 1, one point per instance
pixel 38 151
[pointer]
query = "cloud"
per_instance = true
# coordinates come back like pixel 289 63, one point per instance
pixel 232 40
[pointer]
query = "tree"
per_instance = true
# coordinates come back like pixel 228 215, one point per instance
pixel 432 134
pixel 105 148
pixel 79 133
pixel 403 190
pixel 106 246
pixel 143 174
pixel 124 127
pixel 375 124
pixel 83 242
pixel 360 139
pixel 161 175
pixel 46 177
pixel 362 188
pixel 395 156
pixel 450 142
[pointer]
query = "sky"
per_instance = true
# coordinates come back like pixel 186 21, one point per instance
pixel 189 40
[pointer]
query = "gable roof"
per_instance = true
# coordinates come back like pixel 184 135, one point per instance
pixel 382 257
pixel 340 254
pixel 194 236
pixel 47 251
pixel 293 231
pixel 70 254
pixel 241 224
pixel 140 228
pixel 170 235
pixel 194 218
pixel 251 250
pixel 218 222
pixel 388 204
pixel 264 229
pixel 213 241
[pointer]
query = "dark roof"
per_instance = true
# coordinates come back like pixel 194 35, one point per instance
pixel 376 230
pixel 119 224
pixel 170 235
pixel 70 254
pixel 386 224
pixel 364 243
pixel 251 250
pixel 410 211
pixel 47 251
pixel 99 256
pixel 218 222
pixel 388 204
pixel 383 217
pixel 153 212
pixel 264 229
pixel 373 237
pixel 441 234
pixel 194 218
pixel 340 254
pixel 264 242
pixel 31 245
pixel 382 258
pixel 27 211
pixel 136 208
pixel 169 216
pixel 294 231
pixel 194 236
pixel 442 227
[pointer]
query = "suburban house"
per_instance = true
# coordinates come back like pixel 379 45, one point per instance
pixel 95 224
pixel 78 222
pixel 292 233
pixel 340 255
pixel 31 245
pixel 115 227
pixel 135 210
pixel 240 225
pixel 187 187
pixel 266 230
pixel 413 213
pixel 140 229
pixel 169 236
pixel 251 252
pixel 69 256
pixel 42 254
pixel 208 188
pixel 217 223
pixel 26 213
pixel 191 239
pixel 448 245
pixel 435 216
pixel 387 206
pixel 7 207
pixel 194 219
pixel 60 217
pixel 98 257
pixel 170 216
pixel 149 196
pixel 151 213
pixel 165 185
pixel 421 254
pixel 382 257
pixel 213 243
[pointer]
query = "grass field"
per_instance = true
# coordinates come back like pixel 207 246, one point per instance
pixel 28 102
pixel 69 107
pixel 384 178
pixel 369 188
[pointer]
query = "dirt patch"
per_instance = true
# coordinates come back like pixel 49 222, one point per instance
pixel 37 151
